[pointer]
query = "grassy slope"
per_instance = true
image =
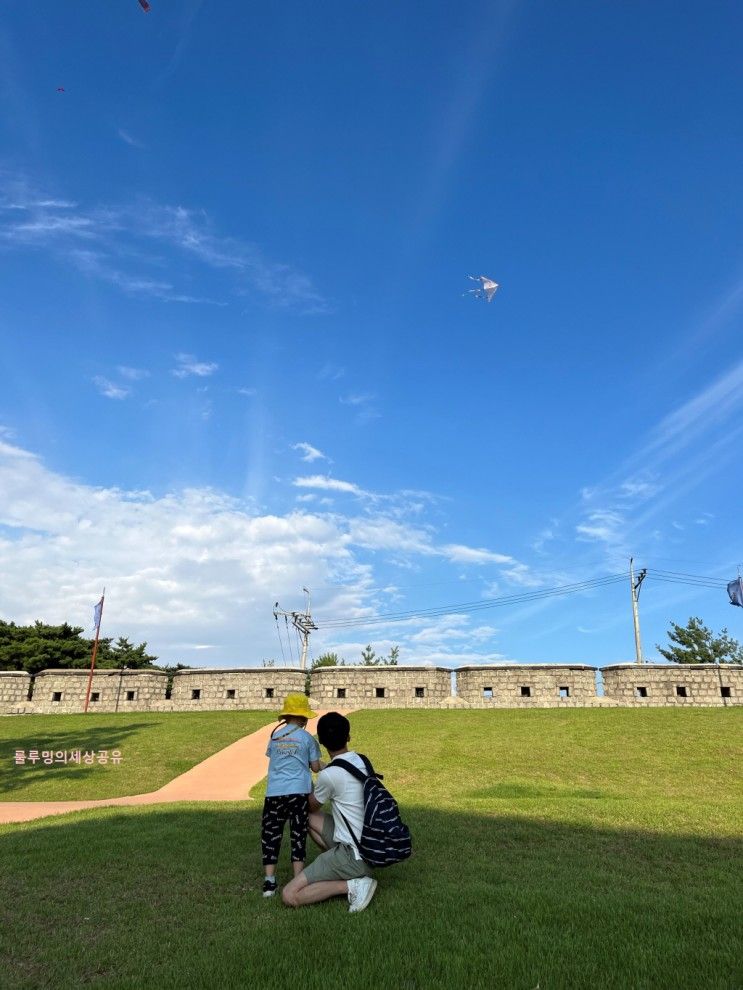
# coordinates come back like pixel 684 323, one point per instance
pixel 155 748
pixel 565 849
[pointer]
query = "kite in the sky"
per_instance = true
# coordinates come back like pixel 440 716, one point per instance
pixel 486 289
pixel 735 590
pixel 60 89
pixel 144 5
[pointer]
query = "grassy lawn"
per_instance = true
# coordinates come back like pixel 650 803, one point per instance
pixel 155 748
pixel 567 849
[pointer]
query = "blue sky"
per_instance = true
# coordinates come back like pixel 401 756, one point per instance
pixel 236 356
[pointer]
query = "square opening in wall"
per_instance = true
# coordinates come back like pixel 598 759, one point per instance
pixel 420 692
pixel 95 696
pixel 269 692
pixel 56 695
pixel 525 691
pixel 230 694
pixel 641 692
pixel 340 693
pixel 130 695
pixel 487 692
pixel 196 694
pixel 379 692
pixel 681 691
pixel 564 692
pixel 726 692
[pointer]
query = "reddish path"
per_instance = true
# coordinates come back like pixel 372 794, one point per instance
pixel 226 776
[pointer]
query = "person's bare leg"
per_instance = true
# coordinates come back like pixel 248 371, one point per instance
pixel 269 870
pixel 299 893
pixel 297 866
pixel 316 822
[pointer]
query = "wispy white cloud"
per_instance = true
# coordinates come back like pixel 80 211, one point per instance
pixel 331 372
pixel 604 525
pixel 325 483
pixel 127 138
pixel 104 242
pixel 110 389
pixel 703 412
pixel 356 399
pixel 474 555
pixel 637 488
pixel 132 374
pixel 188 366
pixel 310 453
pixel 366 412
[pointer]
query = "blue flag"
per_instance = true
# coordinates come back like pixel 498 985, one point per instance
pixel 735 590
pixel 97 612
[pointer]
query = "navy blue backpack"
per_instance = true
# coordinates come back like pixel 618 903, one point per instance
pixel 385 838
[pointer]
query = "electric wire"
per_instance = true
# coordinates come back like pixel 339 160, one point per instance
pixel 289 639
pixel 281 645
pixel 472 606
pixel 657 574
pixel 679 577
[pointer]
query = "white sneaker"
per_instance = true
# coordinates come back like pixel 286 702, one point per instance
pixel 360 892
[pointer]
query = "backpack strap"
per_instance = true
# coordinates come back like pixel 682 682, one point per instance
pixel 354 771
pixel 352 833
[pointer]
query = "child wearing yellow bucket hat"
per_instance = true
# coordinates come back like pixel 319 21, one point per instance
pixel 292 752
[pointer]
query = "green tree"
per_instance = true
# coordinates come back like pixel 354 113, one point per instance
pixel 328 660
pixel 369 657
pixel 126 654
pixel 40 646
pixel 695 643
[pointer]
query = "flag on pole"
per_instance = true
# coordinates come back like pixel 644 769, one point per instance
pixel 97 611
pixel 735 590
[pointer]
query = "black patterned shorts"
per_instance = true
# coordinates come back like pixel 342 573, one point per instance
pixel 276 812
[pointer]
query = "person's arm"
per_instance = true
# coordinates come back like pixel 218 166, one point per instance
pixel 316 764
pixel 322 791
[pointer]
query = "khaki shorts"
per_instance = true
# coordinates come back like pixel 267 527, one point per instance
pixel 338 862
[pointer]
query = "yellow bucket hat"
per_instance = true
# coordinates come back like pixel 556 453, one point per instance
pixel 297 704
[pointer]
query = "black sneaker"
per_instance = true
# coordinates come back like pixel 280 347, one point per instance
pixel 269 888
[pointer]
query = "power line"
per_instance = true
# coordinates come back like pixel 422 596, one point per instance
pixel 680 577
pixel 473 606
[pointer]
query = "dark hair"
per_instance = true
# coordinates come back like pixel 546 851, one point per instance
pixel 333 731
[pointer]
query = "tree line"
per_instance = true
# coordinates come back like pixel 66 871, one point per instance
pixel 40 646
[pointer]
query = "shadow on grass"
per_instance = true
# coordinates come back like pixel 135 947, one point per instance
pixel 170 897
pixel 90 739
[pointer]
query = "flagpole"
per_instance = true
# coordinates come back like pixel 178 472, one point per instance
pixel 95 651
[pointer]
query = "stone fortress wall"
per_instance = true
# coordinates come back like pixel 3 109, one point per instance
pixel 380 687
pixel 487 686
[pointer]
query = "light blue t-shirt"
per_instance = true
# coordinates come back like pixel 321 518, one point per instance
pixel 290 752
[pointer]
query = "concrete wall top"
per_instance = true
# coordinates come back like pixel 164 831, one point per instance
pixel 528 666
pixel 14 673
pixel 678 667
pixel 99 672
pixel 386 667
pixel 265 671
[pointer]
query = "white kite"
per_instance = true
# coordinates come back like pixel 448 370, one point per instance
pixel 486 289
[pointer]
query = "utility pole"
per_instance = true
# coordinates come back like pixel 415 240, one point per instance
pixel 302 622
pixel 635 585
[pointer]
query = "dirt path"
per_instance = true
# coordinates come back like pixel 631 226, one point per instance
pixel 225 776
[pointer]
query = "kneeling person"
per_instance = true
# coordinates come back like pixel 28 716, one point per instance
pixel 338 871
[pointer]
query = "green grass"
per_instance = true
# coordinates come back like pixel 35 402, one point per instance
pixel 568 849
pixel 155 748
